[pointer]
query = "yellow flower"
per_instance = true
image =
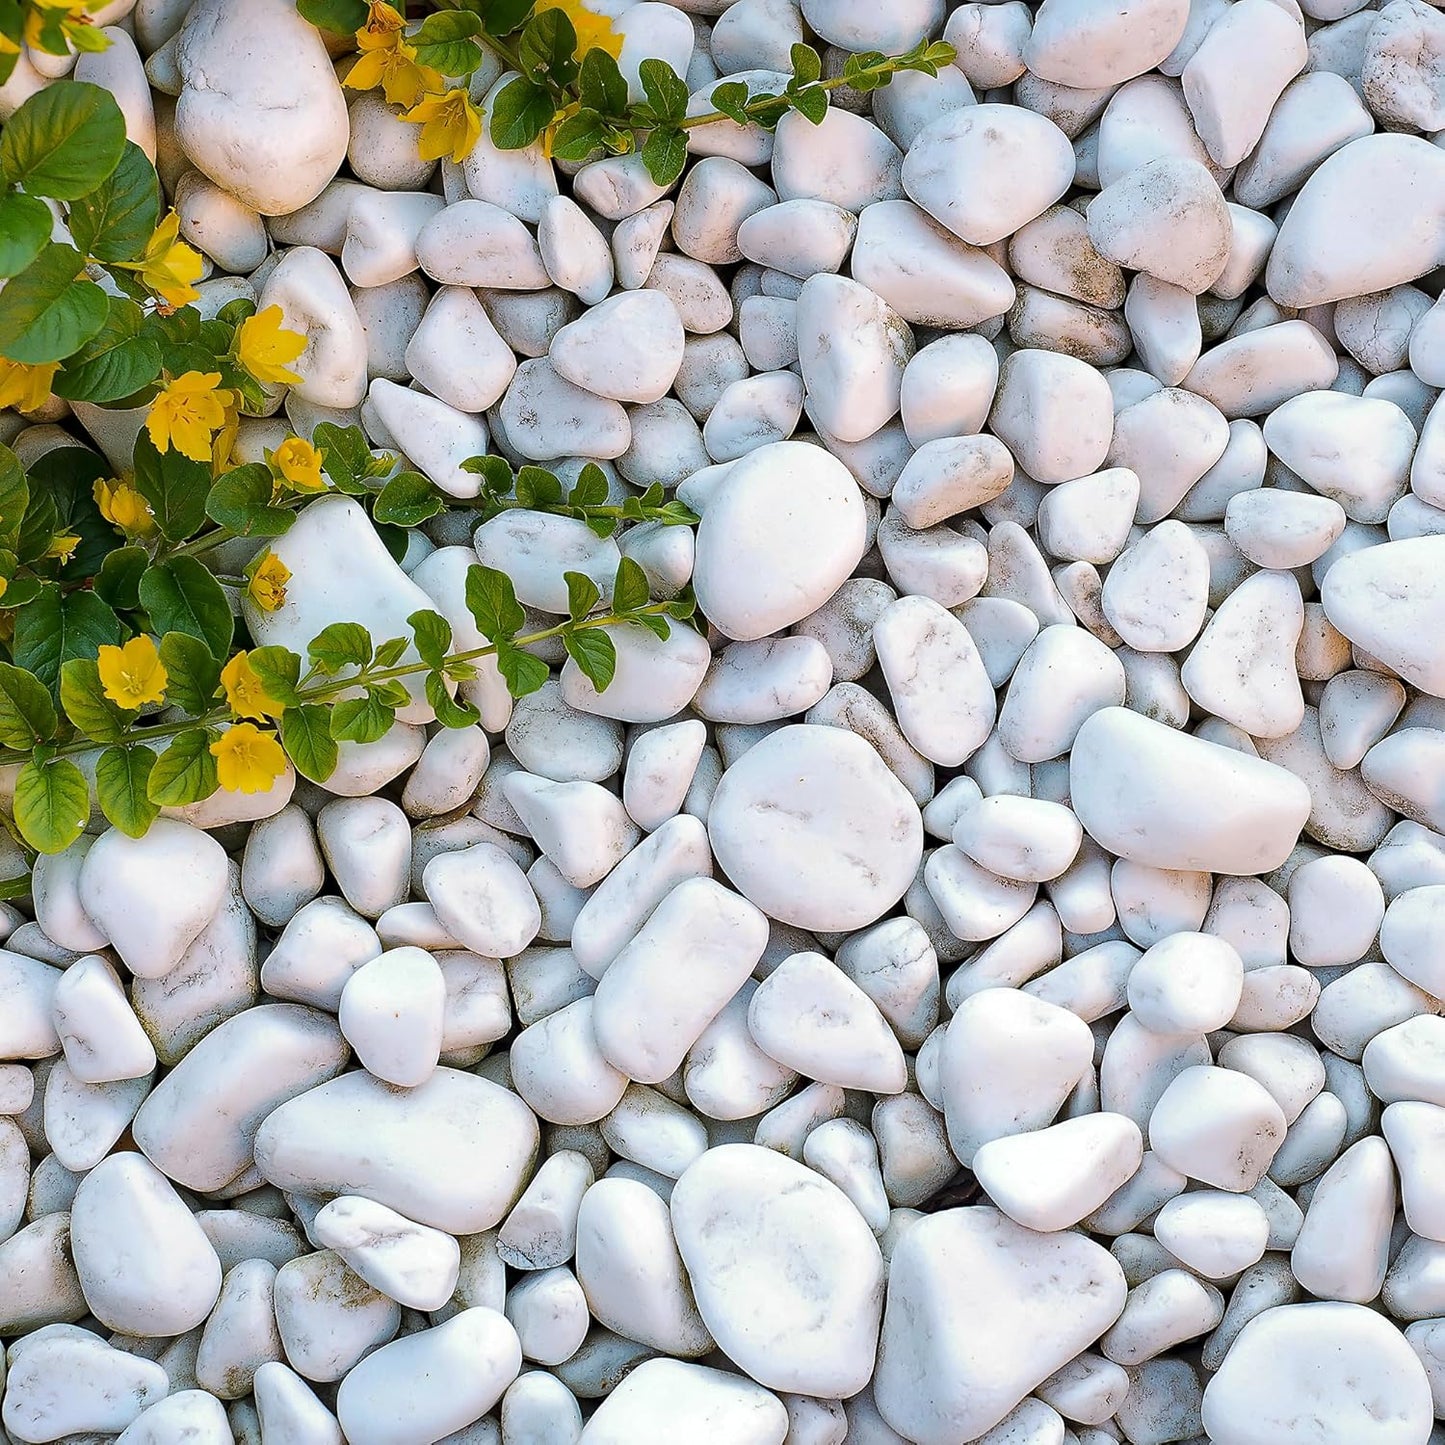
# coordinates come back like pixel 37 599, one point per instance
pixel 224 442
pixel 267 586
pixel 299 464
pixel 188 411
pixel 124 507
pixel 63 547
pixel 169 266
pixel 246 694
pixel 132 675
pixel 549 136
pixel 383 19
pixel 264 347
pixel 247 760
pixel 8 47
pixel 450 125
pixel 388 61
pixel 26 387
pixel 593 31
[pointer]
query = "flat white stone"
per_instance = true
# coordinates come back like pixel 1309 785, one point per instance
pixel 746 1221
pixel 410 1263
pixel 662 1399
pixel 71 1382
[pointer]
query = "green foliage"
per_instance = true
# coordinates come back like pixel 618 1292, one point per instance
pixel 122 787
pixel 114 221
pixel 181 595
pixel 24 229
pixel 63 142
pixel 445 42
pixel 241 501
pixel 185 772
pixel 52 803
pixel 47 312
pixel 341 16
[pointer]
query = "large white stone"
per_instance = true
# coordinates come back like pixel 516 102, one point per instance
pixel 1157 796
pixel 784 528
pixel 812 827
pixel 453 1153
pixel 260 109
pixel 1336 1374
pixel 787 1275
pixel 663 1401
pixel 980 1311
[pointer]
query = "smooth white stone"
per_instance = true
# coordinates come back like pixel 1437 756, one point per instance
pixel 469 1360
pixel 483 899
pixel 145 1265
pixel 1161 797
pixel 812 827
pixel 953 1363
pixel 663 1400
pixel 1213 1233
pixel 1343 1248
pixel 787 1275
pixel 628 348
pixel 1282 1375
pixel 70 1382
pixel 192 1415
pixel 559 1070
pixel 408 1262
pixel 545 416
pixel 315 303
pixel 1054 413
pixel 1008 1062
pixel 1026 839
pixel 1217 1126
pixel 355 1135
pixel 1083 45
pixel 153 896
pixel 102 1038
pixel 391 1013
pixel 259 110
pixel 986 170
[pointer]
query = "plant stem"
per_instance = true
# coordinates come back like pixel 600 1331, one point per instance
pixel 334 687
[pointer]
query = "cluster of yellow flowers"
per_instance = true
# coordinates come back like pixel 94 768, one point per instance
pixel 248 758
pixel 450 124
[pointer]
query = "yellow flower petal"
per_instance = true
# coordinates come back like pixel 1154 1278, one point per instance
pixel 63 547
pixel 169 266
pixel 264 346
pixel 450 125
pixel 188 412
pixel 133 675
pixel 267 587
pixel 123 506
pixel 247 759
pixel 299 464
pixel 26 388
pixel 246 694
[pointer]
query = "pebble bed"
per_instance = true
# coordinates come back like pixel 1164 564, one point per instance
pixel 985 989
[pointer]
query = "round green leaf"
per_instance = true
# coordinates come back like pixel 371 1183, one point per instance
pixel 46 313
pixel 181 595
pixel 64 141
pixel 306 736
pixel 185 772
pixel 27 715
pixel 24 229
pixel 52 804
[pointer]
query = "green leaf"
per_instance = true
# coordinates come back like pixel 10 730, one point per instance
pixel 118 361
pixel 181 595
pixel 362 719
pixel 306 736
pixel 549 43
pixel 579 135
pixel 185 772
pixel 806 62
pixel 68 475
pixel 522 672
pixel 502 17
pixel 233 313
pixel 393 692
pixel 591 487
pixel 279 670
pixel 594 652
pixel 655 623
pixel 521 111
pixel 64 141
pixel 537 487
pixel 52 803
pixel 175 486
pixel 14 498
pixel 53 628
pixel 600 84
pixel 122 783
pixel 82 695
pixel 666 92
pixel 492 603
pixel 38 527
pixel 27 715
pixel 407 500
pixel 583 594
pixel 118 581
pixel 433 634
pixel 811 104
pixel 192 674
pixel 345 456
pixel 388 653
pixel 24 228
pixel 444 42
pixel 240 500
pixel 115 221
pixel 343 644
pixel 731 98
pixel 494 471
pixel 46 313
pixel 629 588
pixel 342 17
pixel 665 154
pixel 451 713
